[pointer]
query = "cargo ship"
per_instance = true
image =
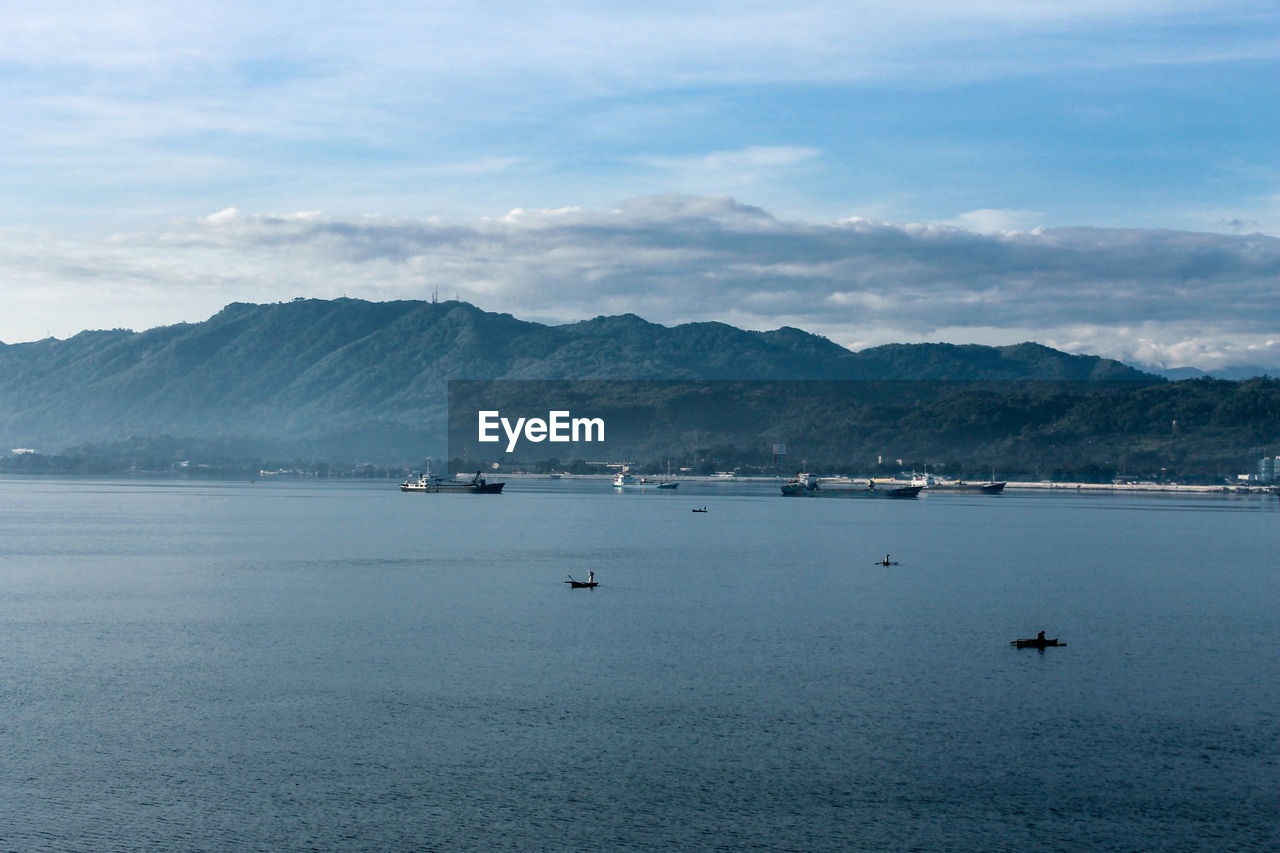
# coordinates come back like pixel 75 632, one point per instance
pixel 809 485
pixel 477 485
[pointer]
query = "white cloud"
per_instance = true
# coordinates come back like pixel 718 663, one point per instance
pixel 1164 297
pixel 995 221
pixel 746 161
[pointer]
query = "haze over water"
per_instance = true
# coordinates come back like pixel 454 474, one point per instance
pixel 269 666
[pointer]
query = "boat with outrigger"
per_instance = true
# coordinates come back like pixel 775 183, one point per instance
pixel 1040 642
pixel 428 483
pixel 810 485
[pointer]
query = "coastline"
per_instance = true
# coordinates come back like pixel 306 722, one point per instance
pixel 1029 485
pixel 1144 487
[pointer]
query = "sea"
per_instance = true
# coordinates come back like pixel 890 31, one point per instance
pixel 338 666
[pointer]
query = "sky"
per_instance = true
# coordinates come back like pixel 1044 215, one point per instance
pixel 1101 177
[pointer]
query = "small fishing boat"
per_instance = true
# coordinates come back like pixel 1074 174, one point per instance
pixel 1036 643
pixel 704 509
pixel 590 583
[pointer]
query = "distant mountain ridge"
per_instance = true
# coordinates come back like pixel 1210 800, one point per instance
pixel 369 378
pixel 1236 373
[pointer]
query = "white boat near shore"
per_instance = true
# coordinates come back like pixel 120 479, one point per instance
pixel 935 484
pixel 627 481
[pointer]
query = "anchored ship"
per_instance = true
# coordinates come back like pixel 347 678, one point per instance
pixel 428 483
pixel 933 484
pixel 625 480
pixel 809 485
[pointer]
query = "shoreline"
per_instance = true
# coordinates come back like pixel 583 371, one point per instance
pixel 1010 485
pixel 1141 487
pixel 1019 485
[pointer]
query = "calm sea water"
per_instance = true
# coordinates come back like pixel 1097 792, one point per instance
pixel 285 666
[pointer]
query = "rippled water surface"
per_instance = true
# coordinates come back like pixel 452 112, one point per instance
pixel 287 666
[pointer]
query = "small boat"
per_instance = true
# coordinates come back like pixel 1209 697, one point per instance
pixel 1036 643
pixel 704 509
pixel 588 584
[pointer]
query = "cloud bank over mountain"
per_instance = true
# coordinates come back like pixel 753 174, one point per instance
pixel 1162 298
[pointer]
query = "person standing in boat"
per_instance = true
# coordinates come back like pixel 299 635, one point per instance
pixel 1040 636
pixel 591 578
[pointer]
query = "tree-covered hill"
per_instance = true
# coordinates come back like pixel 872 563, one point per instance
pixel 1200 430
pixel 354 379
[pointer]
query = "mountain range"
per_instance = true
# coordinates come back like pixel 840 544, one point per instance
pixel 348 378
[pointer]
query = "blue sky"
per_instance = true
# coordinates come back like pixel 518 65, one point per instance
pixel 562 160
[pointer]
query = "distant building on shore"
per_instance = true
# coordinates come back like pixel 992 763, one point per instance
pixel 1268 469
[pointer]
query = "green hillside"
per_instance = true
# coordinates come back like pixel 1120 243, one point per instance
pixel 353 379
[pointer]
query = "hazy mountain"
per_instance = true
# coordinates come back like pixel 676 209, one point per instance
pixel 1237 373
pixel 355 379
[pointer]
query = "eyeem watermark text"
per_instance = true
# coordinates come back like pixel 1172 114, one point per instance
pixel 558 426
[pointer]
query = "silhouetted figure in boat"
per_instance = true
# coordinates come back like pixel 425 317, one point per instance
pixel 1040 636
